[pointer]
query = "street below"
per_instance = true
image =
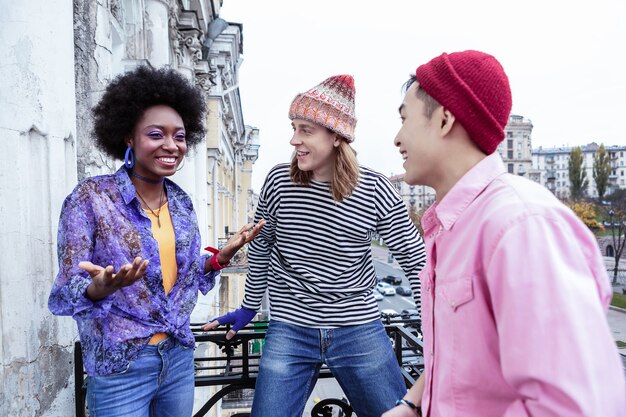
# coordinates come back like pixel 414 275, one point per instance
pixel 393 302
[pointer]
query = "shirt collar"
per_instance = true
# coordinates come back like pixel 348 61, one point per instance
pixel 446 212
pixel 125 185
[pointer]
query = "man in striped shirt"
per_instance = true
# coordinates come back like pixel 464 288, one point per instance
pixel 314 258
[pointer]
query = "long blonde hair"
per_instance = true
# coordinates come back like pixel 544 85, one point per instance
pixel 345 173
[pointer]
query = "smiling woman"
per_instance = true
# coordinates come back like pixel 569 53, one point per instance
pixel 158 143
pixel 129 250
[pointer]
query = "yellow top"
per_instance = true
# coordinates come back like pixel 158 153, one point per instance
pixel 166 240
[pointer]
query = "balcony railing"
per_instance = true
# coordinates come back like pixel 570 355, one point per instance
pixel 235 366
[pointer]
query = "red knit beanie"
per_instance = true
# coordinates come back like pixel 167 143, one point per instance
pixel 330 104
pixel 474 87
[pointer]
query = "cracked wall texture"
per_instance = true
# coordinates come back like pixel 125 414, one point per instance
pixel 38 122
pixel 57 58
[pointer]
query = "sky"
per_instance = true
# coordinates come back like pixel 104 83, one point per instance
pixel 566 63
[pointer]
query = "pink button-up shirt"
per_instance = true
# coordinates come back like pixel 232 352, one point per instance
pixel 514 300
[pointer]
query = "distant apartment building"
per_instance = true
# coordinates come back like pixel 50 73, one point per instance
pixel 551 166
pixel 617 178
pixel 417 197
pixel 516 148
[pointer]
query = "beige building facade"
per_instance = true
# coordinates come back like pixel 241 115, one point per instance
pixel 516 148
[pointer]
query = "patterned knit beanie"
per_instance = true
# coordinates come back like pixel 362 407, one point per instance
pixel 474 87
pixel 330 104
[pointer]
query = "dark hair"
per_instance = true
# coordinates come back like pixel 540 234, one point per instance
pixel 430 104
pixel 128 96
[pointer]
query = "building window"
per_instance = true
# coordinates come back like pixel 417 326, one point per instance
pixel 509 144
pixel 510 167
pixel 509 134
pixel 519 155
pixel 509 154
pixel 622 173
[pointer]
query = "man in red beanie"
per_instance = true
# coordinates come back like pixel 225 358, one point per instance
pixel 514 291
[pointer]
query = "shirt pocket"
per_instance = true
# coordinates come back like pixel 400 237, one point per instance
pixel 457 292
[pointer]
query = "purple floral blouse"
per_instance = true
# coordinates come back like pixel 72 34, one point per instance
pixel 102 221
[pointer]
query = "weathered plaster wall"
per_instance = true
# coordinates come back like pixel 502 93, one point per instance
pixel 98 38
pixel 37 170
pixel 55 61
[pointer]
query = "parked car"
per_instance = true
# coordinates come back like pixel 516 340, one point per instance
pixel 388 312
pixel 409 313
pixel 403 290
pixel 385 289
pixel 393 279
pixel 378 296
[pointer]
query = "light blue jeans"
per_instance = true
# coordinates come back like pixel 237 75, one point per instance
pixel 360 357
pixel 159 383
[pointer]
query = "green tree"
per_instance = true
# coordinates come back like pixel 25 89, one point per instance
pixel 577 173
pixel 601 171
pixel 617 224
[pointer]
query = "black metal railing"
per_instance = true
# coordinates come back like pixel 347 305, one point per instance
pixel 236 365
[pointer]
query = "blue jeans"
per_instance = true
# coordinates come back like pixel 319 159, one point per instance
pixel 159 383
pixel 360 357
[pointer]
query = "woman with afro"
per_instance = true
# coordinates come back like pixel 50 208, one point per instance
pixel 130 265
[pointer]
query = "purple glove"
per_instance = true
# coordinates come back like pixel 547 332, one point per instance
pixel 238 318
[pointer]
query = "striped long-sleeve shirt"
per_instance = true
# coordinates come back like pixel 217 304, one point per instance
pixel 314 255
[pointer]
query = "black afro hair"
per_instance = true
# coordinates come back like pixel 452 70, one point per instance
pixel 127 97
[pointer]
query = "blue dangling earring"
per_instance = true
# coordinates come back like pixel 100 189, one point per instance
pixel 129 158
